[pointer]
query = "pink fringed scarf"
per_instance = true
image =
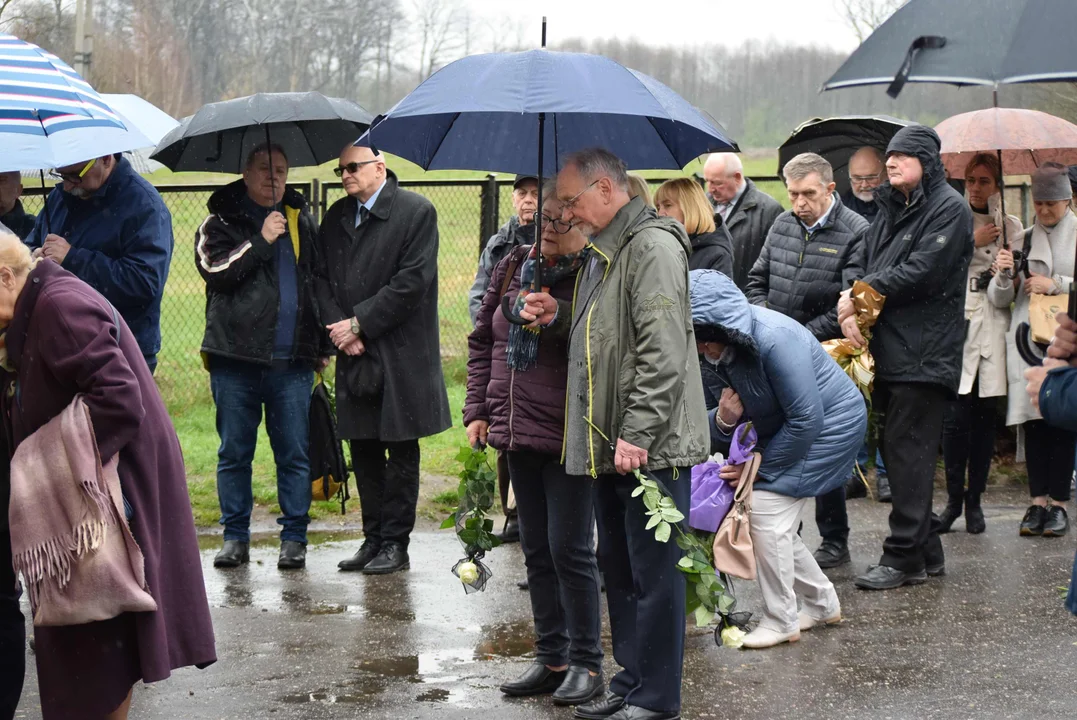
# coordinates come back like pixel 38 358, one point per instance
pixel 69 536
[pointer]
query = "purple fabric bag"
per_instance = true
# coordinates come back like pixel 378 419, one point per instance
pixel 712 497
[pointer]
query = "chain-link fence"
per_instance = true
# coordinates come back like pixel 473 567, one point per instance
pixel 469 211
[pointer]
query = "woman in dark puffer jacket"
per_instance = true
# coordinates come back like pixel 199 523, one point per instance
pixel 516 384
pixel 684 200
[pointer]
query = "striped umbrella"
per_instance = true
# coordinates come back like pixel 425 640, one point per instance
pixel 41 95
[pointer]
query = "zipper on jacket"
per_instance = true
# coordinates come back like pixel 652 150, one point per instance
pixel 564 433
pixel 512 407
pixel 590 380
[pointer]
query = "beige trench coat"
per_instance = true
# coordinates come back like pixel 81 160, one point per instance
pixel 984 356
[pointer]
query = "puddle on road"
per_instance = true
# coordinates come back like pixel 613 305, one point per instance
pixel 272 540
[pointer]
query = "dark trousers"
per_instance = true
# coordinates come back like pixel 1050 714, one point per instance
pixel 387 474
pixel 968 443
pixel 240 389
pixel 644 591
pixel 912 429
pixel 503 484
pixel 1049 460
pixel 12 633
pixel 556 511
pixel 832 517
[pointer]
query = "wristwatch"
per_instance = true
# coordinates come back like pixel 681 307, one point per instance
pixel 355 327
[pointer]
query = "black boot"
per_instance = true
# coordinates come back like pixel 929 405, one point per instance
pixel 390 559
pixel 511 532
pixel 882 487
pixel 950 514
pixel 974 514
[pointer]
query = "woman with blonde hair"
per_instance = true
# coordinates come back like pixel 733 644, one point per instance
pixel 638 188
pixel 63 341
pixel 684 200
pixel 968 435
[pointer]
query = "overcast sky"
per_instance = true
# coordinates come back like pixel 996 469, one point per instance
pixel 673 22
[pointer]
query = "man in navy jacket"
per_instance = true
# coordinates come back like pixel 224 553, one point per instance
pixel 109 227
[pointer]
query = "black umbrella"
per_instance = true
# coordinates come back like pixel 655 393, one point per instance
pixel 837 138
pixel 966 42
pixel 311 127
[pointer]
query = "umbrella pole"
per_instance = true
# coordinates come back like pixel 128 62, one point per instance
pixel 269 156
pixel 538 211
pixel 1002 193
pixel 45 204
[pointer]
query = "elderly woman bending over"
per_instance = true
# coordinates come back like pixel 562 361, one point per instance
pixel 765 367
pixel 63 340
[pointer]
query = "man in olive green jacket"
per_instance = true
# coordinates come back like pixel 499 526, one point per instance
pixel 633 376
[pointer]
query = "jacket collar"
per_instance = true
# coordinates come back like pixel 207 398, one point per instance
pixel 382 206
pixel 15 335
pixel 610 238
pixel 748 200
pixel 228 200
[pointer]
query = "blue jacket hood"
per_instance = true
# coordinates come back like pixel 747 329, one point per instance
pixel 718 303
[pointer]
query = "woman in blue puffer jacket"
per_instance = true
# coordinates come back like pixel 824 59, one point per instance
pixel 765 367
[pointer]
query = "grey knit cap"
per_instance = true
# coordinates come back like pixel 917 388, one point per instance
pixel 1051 184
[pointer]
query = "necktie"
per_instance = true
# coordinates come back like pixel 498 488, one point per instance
pixel 363 214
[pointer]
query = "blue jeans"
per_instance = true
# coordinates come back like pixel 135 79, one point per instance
pixel 862 460
pixel 240 389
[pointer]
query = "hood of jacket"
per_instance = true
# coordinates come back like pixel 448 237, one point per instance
pixel 924 144
pixel 228 201
pixel 718 303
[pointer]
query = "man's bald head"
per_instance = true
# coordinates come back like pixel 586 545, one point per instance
pixel 362 171
pixel 724 174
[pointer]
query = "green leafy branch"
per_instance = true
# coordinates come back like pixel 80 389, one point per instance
pixel 478 485
pixel 706 597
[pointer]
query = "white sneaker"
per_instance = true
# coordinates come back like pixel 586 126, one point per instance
pixel 807 622
pixel 763 637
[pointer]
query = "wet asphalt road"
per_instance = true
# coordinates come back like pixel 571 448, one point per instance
pixel 989 640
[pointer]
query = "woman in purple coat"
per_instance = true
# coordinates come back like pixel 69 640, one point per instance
pixel 62 339
pixel 516 382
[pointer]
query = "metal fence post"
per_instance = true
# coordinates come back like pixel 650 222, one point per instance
pixel 489 202
pixel 1026 203
pixel 316 208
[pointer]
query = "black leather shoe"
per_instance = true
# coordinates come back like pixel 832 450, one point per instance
pixel 536 680
pixel 831 554
pixel 392 558
pixel 522 584
pixel 1057 523
pixel 936 570
pixel 578 687
pixel 882 489
pixel 600 708
pixel 974 516
pixel 293 555
pixel 233 554
pixel 1033 521
pixel 631 712
pixel 511 532
pixel 884 577
pixel 950 515
pixel 359 560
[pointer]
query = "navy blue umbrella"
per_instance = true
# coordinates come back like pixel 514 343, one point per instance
pixel 483 113
pixel 488 112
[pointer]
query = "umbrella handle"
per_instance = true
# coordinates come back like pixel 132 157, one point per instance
pixel 510 314
pixel 1031 352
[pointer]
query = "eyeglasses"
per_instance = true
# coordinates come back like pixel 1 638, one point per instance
pixel 559 226
pixel 864 179
pixel 74 178
pixel 576 198
pixel 352 167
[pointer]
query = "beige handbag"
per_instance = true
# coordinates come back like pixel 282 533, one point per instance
pixel 1042 310
pixel 733 553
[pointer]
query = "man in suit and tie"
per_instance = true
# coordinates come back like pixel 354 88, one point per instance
pixel 746 211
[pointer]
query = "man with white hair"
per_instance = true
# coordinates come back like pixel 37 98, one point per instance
pixel 746 211
pixel 867 171
pixel 632 359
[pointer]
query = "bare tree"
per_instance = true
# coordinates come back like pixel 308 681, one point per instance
pixel 863 16
pixel 438 28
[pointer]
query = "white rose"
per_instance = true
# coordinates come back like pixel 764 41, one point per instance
pixel 468 572
pixel 733 637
